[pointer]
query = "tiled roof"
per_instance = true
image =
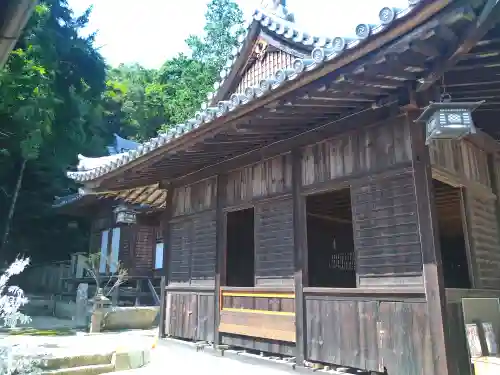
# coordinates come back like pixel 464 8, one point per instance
pixel 325 50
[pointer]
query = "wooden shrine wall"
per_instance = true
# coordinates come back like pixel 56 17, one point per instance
pixel 266 186
pixel 386 232
pixel 137 241
pixel 263 317
pixel 375 163
pixel 372 149
pixel 190 314
pixel 464 163
pixel 192 235
pixel 369 332
pixel 190 296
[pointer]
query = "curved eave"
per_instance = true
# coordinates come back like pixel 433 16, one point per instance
pixel 14 15
pixel 147 198
pixel 338 48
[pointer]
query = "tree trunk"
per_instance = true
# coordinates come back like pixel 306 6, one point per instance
pixel 12 208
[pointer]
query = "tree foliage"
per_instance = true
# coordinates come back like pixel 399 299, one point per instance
pixel 224 23
pixel 59 99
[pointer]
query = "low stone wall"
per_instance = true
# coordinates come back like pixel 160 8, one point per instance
pixel 120 318
pixel 64 310
pixel 39 307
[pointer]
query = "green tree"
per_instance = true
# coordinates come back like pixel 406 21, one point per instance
pixel 186 83
pixel 51 90
pixel 224 23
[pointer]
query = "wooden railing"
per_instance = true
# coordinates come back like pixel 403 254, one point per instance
pixel 258 312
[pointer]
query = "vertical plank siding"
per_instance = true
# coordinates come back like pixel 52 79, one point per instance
pixel 190 315
pixel 194 198
pixel 180 252
pixel 192 257
pixel 483 229
pixel 475 164
pixel 445 154
pixel 462 160
pixel 369 334
pixel 372 149
pixel 386 233
pixel 204 245
pixel 274 264
pixel 267 178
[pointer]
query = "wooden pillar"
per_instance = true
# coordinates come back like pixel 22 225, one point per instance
pixel 431 252
pixel 163 305
pixel 165 271
pixel 300 257
pixel 220 257
pixel 471 259
pixel 138 291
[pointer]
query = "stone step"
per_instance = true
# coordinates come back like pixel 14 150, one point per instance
pixel 83 370
pixel 76 361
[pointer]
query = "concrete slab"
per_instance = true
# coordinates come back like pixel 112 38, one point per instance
pixel 183 360
pixel 125 350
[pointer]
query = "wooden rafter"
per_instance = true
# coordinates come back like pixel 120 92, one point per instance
pixel 489 16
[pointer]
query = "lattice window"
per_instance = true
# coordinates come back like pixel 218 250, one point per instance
pixel 343 261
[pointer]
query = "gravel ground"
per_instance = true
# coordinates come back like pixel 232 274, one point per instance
pixel 175 359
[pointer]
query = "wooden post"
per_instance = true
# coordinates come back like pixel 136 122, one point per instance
pixel 138 291
pixel 220 263
pixel 431 252
pixel 163 312
pixel 115 297
pixel 165 225
pixel 300 257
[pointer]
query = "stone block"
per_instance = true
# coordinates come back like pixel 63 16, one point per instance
pixel 120 318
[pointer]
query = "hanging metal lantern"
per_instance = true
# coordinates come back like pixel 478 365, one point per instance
pixel 448 120
pixel 125 215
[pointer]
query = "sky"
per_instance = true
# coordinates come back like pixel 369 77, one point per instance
pixel 151 31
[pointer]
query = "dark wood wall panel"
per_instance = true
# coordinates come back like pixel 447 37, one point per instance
pixel 267 178
pixel 274 242
pixel 190 315
pixel 127 246
pixel 142 262
pixel 204 247
pixel 483 229
pixel 180 251
pixel 372 149
pixel 194 198
pixel 369 334
pixel 386 234
pixel 193 249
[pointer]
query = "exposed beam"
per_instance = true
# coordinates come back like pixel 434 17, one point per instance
pixel 313 135
pixel 489 16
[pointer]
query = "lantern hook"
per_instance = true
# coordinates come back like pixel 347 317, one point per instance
pixel 445 96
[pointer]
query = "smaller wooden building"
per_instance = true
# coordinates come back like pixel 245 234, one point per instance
pixel 137 246
pixel 306 215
